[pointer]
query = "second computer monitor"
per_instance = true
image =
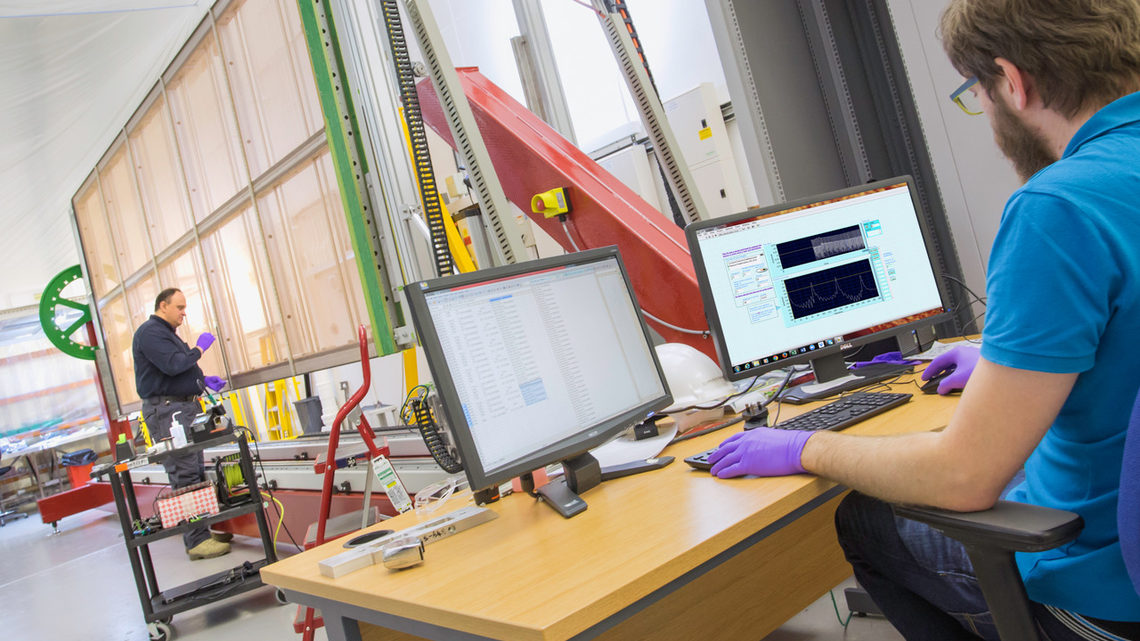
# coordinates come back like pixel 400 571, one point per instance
pixel 802 281
pixel 537 363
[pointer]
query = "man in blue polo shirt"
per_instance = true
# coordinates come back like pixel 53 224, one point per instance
pixel 168 380
pixel 1053 386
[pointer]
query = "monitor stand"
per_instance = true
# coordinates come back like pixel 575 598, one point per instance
pixel 833 377
pixel 581 473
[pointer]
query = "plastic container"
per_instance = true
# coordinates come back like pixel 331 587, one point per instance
pixel 177 431
pixel 309 414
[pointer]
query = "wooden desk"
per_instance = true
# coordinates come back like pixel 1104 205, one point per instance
pixel 671 554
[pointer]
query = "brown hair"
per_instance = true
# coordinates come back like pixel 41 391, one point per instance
pixel 1083 54
pixel 164 296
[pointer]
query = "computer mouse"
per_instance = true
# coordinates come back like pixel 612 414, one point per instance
pixel 931 386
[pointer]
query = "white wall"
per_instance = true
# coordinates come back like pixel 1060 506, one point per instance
pixel 973 176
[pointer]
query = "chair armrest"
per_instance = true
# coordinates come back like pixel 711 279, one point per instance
pixel 1019 527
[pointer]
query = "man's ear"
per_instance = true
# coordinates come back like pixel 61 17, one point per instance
pixel 1015 85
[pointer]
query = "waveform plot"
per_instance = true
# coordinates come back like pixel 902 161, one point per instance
pixel 831 288
pixel 809 249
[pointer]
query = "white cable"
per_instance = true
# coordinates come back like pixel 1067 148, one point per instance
pixel 566 228
pixel 702 332
pixel 699 332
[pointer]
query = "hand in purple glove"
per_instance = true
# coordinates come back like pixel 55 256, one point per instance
pixel 205 340
pixel 957 364
pixel 215 383
pixel 763 451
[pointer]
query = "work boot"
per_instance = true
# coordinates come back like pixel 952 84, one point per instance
pixel 222 537
pixel 208 549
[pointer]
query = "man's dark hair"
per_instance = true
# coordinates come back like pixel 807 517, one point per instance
pixel 164 296
pixel 1083 53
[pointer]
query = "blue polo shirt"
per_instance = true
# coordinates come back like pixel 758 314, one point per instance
pixel 1064 297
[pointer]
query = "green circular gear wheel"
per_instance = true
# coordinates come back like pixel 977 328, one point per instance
pixel 52 299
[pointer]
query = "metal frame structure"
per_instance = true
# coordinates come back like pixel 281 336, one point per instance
pixel 618 27
pixel 341 129
pixel 836 111
pixel 485 182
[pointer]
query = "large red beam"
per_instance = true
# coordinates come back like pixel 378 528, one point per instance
pixel 530 157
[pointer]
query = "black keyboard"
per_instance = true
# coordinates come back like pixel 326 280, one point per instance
pixel 836 415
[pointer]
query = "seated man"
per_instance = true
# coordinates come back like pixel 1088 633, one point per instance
pixel 1053 388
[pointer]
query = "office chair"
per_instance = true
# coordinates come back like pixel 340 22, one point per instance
pixel 992 536
pixel 6 514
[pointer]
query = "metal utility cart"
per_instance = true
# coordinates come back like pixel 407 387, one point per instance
pixel 160 606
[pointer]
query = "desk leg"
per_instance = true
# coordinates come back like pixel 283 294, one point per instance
pixel 35 475
pixel 341 628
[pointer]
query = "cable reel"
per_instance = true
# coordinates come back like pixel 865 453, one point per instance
pixel 50 303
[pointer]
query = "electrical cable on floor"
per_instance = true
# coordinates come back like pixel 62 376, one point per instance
pixel 843 622
pixel 280 520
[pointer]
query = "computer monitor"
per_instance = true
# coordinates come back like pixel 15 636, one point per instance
pixel 536 363
pixel 809 280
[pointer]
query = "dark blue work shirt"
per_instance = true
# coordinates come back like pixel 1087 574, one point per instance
pixel 164 364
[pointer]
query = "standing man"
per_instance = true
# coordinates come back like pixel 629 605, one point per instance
pixel 167 378
pixel 1053 387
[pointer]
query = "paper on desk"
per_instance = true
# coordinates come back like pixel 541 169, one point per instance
pixel 624 449
pixel 938 348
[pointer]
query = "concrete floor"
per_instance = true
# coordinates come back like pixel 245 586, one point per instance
pixel 77 585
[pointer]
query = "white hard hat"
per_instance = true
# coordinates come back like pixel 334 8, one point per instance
pixel 694 379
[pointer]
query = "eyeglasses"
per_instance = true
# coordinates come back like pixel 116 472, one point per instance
pixel 967 100
pixel 432 497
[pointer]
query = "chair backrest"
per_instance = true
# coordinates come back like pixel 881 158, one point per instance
pixel 1128 508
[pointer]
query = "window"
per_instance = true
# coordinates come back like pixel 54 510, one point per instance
pixel 222 185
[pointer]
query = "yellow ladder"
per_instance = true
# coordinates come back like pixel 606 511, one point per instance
pixel 279 421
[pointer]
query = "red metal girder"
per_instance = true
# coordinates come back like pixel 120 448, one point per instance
pixel 530 157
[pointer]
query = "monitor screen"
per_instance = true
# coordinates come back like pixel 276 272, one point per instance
pixel 803 280
pixel 537 362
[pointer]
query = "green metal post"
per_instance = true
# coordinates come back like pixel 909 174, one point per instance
pixel 348 159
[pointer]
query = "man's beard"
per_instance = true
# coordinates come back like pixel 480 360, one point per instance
pixel 1024 147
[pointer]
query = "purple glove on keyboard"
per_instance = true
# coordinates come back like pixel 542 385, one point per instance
pixel 205 340
pixel 763 451
pixel 960 362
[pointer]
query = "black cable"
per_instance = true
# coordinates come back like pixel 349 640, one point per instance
pixel 966 287
pixel 421 417
pixel 720 404
pixel 765 403
pixel 272 501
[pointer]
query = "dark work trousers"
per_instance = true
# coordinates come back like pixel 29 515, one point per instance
pixel 182 470
pixel 924 582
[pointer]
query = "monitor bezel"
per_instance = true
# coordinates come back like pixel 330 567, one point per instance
pixel 460 430
pixel 709 303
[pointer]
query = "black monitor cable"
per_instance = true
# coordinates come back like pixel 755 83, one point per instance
pixel 416 411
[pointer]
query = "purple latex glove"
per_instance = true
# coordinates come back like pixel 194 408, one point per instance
pixel 893 358
pixel 763 451
pixel 958 363
pixel 215 383
pixel 205 340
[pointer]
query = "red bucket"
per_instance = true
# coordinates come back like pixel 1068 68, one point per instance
pixel 79 475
